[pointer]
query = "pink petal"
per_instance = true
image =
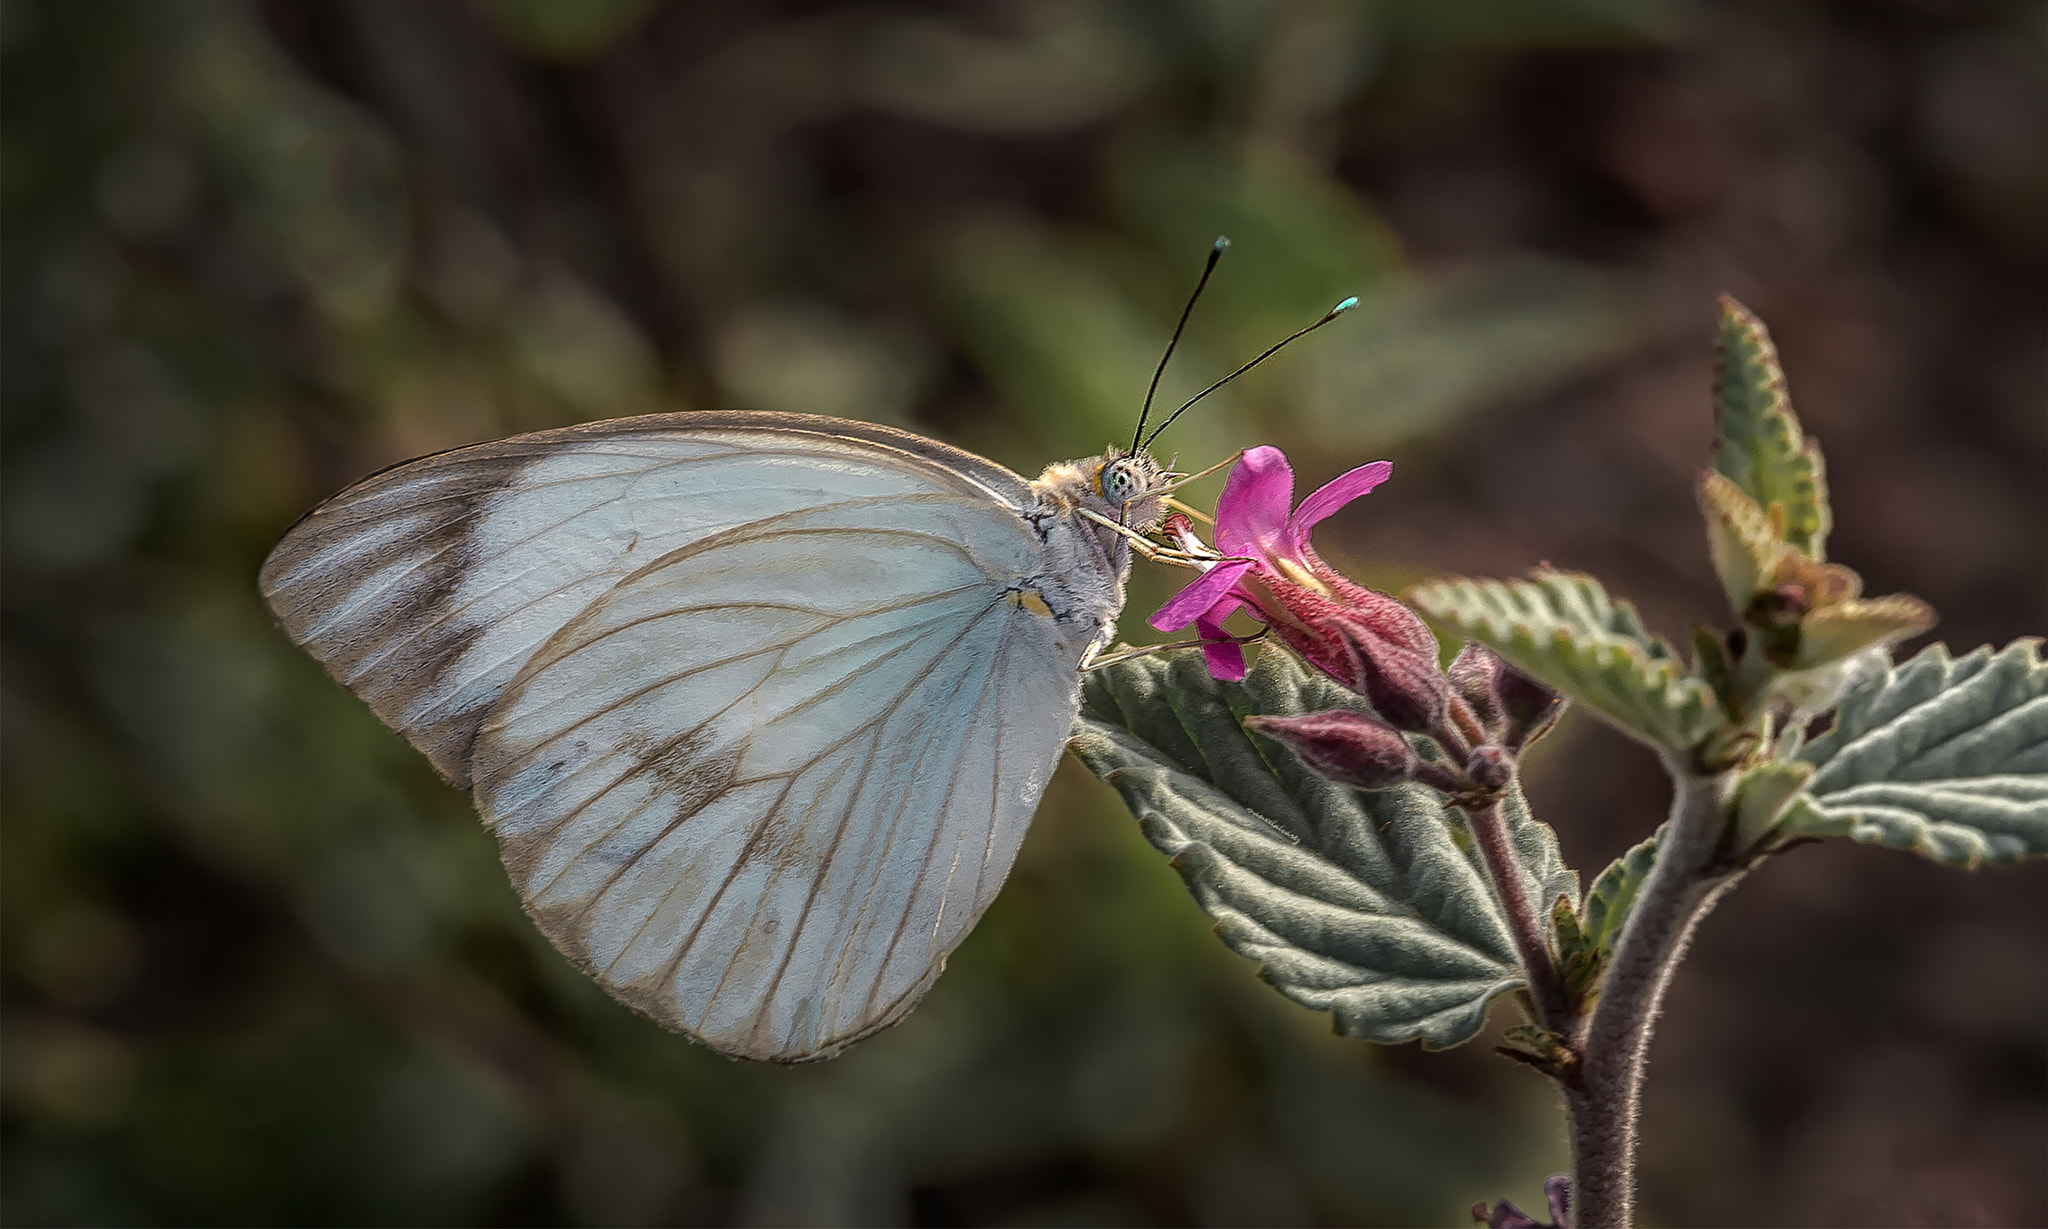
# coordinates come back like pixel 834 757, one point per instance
pixel 1209 590
pixel 1225 656
pixel 1340 491
pixel 1251 514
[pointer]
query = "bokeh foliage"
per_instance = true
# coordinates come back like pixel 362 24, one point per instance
pixel 258 965
pixel 261 966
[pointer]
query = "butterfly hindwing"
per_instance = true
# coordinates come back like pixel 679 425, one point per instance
pixel 837 728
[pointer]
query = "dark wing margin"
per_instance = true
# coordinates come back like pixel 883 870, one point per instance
pixel 363 583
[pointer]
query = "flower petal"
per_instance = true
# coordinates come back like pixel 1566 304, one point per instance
pixel 1251 514
pixel 1209 590
pixel 1224 656
pixel 1340 491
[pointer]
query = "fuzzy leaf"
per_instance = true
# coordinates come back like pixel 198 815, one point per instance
pixel 1563 629
pixel 1371 905
pixel 1580 962
pixel 1828 635
pixel 1585 941
pixel 1760 446
pixel 1542 1049
pixel 1613 894
pixel 1741 539
pixel 1944 756
pixel 1762 795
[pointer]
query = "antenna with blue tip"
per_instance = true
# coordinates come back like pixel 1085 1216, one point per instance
pixel 1328 316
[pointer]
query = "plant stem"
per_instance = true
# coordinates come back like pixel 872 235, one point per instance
pixel 1527 924
pixel 1603 1096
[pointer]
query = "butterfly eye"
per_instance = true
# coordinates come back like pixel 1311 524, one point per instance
pixel 1119 483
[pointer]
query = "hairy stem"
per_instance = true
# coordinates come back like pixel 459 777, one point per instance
pixel 1603 1095
pixel 1526 922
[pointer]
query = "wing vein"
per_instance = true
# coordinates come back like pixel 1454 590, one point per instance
pixel 527 756
pixel 634 767
pixel 924 867
pixel 760 828
pixel 845 816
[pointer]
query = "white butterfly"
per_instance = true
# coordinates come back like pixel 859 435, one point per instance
pixel 758 705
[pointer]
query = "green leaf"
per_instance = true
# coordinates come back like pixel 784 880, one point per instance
pixel 1741 539
pixel 1762 795
pixel 1580 962
pixel 1373 906
pixel 1613 894
pixel 1830 634
pixel 1760 447
pixel 1947 757
pixel 1585 940
pixel 1562 628
pixel 1548 1052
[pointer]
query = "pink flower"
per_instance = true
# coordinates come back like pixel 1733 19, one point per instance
pixel 1347 631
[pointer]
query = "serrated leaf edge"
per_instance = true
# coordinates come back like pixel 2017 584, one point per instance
pixel 1688 707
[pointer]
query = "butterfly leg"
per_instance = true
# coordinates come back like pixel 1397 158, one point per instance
pixel 1092 660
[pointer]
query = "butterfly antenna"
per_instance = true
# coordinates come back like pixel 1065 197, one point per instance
pixel 1328 316
pixel 1221 246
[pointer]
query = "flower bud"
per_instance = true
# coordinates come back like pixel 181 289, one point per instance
pixel 1402 686
pixel 1471 676
pixel 1344 746
pixel 1491 768
pixel 1530 707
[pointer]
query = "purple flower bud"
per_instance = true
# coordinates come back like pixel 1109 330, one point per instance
pixel 1344 746
pixel 1530 707
pixel 1472 676
pixel 1491 768
pixel 1402 686
pixel 1505 1215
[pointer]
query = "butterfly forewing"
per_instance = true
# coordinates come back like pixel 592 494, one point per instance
pixel 758 708
pixel 427 587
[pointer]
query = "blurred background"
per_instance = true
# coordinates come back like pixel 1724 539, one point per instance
pixel 260 966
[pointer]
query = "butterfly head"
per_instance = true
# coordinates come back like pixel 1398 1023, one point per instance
pixel 1128 488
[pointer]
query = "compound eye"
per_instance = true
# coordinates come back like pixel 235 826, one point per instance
pixel 1119 484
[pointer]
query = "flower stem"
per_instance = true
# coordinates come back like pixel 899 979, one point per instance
pixel 1526 922
pixel 1603 1096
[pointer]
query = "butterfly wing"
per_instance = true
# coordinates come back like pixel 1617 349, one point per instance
pixel 762 789
pixel 759 713
pixel 426 588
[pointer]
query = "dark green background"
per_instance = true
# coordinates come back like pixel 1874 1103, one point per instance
pixel 260 966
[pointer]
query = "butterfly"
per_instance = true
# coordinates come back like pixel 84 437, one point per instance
pixel 758 705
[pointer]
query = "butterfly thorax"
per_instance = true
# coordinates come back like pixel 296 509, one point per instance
pixel 1088 561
